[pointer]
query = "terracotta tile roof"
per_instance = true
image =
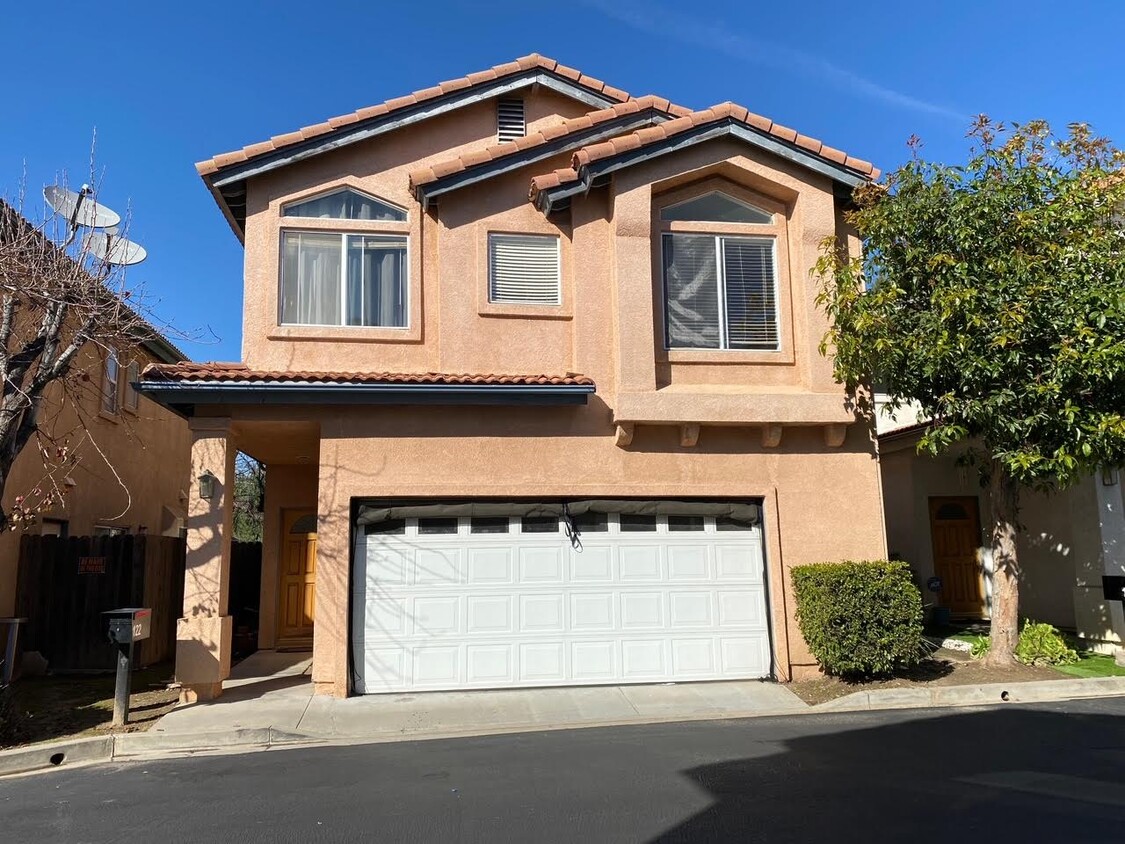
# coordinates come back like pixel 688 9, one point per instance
pixel 715 114
pixel 239 373
pixel 427 175
pixel 218 162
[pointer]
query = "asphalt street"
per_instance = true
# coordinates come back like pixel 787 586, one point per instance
pixel 1051 772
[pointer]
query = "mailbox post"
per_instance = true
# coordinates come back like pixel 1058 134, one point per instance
pixel 126 626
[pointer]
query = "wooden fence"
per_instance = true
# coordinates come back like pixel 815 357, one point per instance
pixel 64 586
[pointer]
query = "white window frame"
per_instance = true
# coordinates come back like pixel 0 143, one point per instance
pixel 344 235
pixel 132 400
pixel 720 276
pixel 492 236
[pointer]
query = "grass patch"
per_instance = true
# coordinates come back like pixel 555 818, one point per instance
pixel 1092 665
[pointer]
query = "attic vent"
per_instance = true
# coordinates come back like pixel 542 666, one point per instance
pixel 509 120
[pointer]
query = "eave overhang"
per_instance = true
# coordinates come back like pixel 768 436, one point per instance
pixel 597 173
pixel 184 396
pixel 228 185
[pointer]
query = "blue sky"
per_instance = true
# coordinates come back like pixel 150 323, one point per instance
pixel 169 84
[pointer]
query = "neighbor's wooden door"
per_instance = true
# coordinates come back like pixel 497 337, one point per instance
pixel 955 532
pixel 298 573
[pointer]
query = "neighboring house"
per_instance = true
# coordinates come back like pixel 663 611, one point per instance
pixel 133 456
pixel 938 520
pixel 533 367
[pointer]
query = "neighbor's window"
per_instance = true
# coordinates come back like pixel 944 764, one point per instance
pixel 720 290
pixel 344 279
pixel 132 376
pixel 110 530
pixel 346 204
pixel 524 269
pixel 110 379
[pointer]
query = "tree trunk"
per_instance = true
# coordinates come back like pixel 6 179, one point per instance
pixel 1004 511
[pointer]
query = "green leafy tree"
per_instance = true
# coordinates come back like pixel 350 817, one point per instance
pixel 992 295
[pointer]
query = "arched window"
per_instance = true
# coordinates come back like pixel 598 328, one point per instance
pixel 345 204
pixel 715 207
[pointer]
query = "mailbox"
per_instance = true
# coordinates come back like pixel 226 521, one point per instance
pixel 1113 587
pixel 129 624
pixel 126 626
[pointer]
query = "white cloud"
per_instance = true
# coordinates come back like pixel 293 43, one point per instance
pixel 714 36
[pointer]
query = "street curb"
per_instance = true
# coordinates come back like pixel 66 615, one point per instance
pixel 1039 691
pixel 127 747
pixel 56 754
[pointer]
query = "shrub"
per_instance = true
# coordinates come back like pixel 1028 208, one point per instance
pixel 860 619
pixel 1042 644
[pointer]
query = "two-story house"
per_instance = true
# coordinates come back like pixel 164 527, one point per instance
pixel 533 366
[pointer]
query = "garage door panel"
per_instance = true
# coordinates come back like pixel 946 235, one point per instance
pixel 437 666
pixel 541 565
pixel 436 616
pixel 643 659
pixel 434 566
pixel 592 612
pixel 542 662
pixel 639 562
pixel 642 610
pixel 593 565
pixel 486 610
pixel 490 566
pixel 542 613
pixel 594 661
pixel 492 665
pixel 489 614
pixel 693 657
pixel 689 562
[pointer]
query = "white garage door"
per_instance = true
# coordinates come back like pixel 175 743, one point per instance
pixel 507 601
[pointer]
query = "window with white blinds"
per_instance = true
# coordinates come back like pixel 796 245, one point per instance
pixel 720 292
pixel 524 269
pixel 510 123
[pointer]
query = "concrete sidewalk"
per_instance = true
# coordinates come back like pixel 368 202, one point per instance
pixel 274 690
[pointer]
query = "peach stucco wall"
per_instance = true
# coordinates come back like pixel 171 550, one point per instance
pixel 822 502
pixel 132 471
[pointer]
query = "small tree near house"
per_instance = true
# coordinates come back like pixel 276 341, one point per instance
pixel 56 299
pixel 993 296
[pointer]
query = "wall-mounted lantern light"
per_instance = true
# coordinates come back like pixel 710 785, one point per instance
pixel 207 485
pixel 1109 476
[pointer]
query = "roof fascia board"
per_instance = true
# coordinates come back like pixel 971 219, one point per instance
pixel 508 163
pixel 173 394
pixel 690 138
pixel 405 117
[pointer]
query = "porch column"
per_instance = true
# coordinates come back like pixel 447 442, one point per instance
pixel 1111 520
pixel 1099 620
pixel 203 635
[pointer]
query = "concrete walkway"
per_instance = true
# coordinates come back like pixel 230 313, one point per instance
pixel 274 690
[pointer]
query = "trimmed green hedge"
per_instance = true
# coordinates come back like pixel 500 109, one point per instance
pixel 860 619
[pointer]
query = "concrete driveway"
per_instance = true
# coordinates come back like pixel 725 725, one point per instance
pixel 272 689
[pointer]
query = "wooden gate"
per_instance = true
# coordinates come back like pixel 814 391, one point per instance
pixel 64 586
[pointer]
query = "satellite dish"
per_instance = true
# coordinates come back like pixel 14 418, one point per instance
pixel 79 208
pixel 114 250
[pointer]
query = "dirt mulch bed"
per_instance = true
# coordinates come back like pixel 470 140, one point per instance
pixel 78 706
pixel 944 668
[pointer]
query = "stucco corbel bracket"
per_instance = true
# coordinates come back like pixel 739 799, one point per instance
pixel 771 435
pixel 689 435
pixel 624 434
pixel 834 434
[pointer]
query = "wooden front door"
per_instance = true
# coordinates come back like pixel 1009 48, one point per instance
pixel 955 531
pixel 298 573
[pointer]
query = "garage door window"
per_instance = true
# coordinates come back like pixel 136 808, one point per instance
pixel 436 527
pixel 539 524
pixel 391 527
pixel 685 523
pixel 489 524
pixel 637 524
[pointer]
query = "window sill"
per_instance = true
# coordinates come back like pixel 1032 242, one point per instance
pixel 111 417
pixel 510 310
pixel 729 356
pixel 350 333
